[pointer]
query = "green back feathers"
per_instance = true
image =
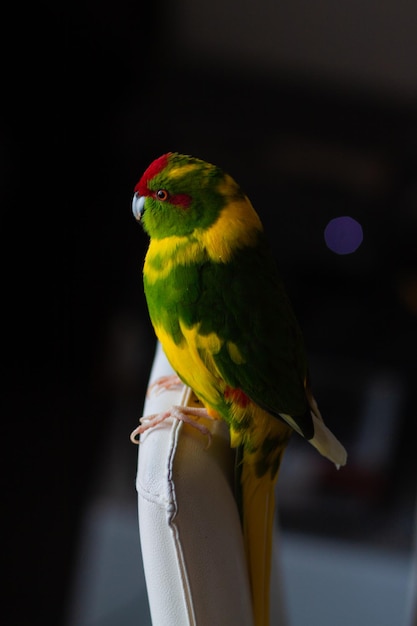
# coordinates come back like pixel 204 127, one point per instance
pixel 260 348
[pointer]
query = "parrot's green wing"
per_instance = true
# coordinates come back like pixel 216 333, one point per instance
pixel 262 351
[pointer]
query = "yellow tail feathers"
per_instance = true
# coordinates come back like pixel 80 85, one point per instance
pixel 258 516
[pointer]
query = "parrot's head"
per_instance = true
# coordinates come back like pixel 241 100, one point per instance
pixel 178 194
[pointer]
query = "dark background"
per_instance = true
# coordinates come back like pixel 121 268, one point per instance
pixel 92 94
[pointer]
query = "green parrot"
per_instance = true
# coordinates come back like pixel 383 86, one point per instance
pixel 221 313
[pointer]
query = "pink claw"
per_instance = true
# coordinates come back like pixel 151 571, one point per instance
pixel 182 413
pixel 165 383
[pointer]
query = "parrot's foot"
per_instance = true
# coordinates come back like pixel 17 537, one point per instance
pixel 182 413
pixel 165 383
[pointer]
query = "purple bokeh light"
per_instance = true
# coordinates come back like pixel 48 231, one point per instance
pixel 343 235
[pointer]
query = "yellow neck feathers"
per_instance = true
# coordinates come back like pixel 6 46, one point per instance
pixel 237 227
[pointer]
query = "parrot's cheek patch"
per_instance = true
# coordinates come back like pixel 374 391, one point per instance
pixel 182 200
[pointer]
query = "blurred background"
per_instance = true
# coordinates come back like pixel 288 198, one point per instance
pixel 312 108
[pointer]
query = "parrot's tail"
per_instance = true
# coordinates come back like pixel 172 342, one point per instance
pixel 258 516
pixel 258 504
pixel 324 441
pixel 321 437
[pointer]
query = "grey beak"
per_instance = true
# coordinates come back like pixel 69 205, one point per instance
pixel 138 206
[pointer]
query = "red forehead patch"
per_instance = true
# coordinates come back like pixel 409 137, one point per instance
pixel 155 168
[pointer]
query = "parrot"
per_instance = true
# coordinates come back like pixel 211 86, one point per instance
pixel 220 310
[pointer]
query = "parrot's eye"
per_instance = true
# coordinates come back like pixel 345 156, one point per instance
pixel 161 194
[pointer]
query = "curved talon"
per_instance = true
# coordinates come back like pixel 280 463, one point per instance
pixel 152 420
pixel 135 436
pixel 165 383
pixel 181 413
